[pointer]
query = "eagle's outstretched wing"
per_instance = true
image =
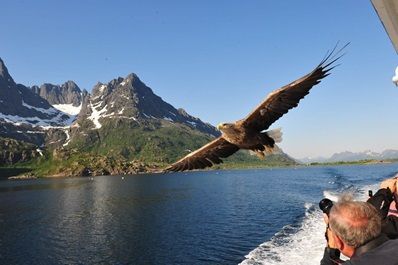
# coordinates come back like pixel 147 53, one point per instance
pixel 285 98
pixel 206 156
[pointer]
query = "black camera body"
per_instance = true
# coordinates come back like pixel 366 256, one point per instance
pixel 325 205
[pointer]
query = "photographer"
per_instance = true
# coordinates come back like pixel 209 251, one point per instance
pixel 385 200
pixel 354 229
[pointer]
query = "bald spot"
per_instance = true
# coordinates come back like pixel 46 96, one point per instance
pixel 349 214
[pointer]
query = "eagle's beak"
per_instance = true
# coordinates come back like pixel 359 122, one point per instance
pixel 219 126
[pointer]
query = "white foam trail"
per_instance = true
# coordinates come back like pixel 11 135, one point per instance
pixel 304 245
pixel 331 195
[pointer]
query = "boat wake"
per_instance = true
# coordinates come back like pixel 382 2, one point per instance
pixel 300 244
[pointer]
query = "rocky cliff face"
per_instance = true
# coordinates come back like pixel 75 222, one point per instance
pixel 12 151
pixel 66 94
pixel 20 105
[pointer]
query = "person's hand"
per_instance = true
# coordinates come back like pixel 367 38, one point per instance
pixel 389 183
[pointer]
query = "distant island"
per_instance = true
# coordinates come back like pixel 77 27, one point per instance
pixel 348 156
pixel 357 162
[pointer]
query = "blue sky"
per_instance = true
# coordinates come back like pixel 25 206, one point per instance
pixel 219 59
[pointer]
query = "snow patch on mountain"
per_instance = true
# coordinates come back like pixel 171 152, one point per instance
pixel 101 88
pixel 96 114
pixel 192 123
pixel 50 111
pixel 67 141
pixel 168 119
pixel 39 151
pixel 68 108
pixel 55 122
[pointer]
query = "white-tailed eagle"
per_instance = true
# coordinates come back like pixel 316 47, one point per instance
pixel 249 133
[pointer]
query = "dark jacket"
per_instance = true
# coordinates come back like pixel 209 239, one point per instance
pixel 382 200
pixel 378 251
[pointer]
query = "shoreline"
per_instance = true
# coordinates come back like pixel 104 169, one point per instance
pixel 30 174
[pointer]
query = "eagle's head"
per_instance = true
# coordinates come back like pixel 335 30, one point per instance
pixel 223 127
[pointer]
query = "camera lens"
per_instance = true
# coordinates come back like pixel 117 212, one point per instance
pixel 325 205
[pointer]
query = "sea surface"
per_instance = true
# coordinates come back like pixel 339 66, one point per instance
pixel 264 216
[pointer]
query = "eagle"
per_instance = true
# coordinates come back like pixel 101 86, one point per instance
pixel 250 133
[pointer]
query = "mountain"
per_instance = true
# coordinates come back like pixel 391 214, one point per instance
pixel 25 115
pixel 130 98
pixel 389 154
pixel 67 97
pixel 121 127
pixel 348 156
pixel 125 118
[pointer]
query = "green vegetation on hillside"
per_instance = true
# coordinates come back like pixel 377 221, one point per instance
pixel 243 159
pixel 150 143
pixel 128 148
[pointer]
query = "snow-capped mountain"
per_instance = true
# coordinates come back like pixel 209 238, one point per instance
pixel 25 115
pixel 52 115
pixel 353 156
pixel 129 98
pixel 21 106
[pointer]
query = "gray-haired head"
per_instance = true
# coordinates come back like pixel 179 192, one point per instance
pixel 355 222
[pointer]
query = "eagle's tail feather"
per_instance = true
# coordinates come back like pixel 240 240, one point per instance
pixel 269 150
pixel 264 151
pixel 275 134
pixel 260 154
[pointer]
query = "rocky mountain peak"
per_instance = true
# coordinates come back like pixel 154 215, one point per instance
pixel 3 69
pixel 5 78
pixel 130 99
pixel 68 93
pixel 132 77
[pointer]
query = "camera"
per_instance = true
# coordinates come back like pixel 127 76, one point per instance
pixel 325 205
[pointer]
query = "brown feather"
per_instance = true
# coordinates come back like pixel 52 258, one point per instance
pixel 280 101
pixel 205 156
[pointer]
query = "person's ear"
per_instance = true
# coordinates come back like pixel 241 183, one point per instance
pixel 333 241
pixel 326 218
pixel 338 242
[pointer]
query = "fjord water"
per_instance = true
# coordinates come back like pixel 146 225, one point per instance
pixel 264 216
